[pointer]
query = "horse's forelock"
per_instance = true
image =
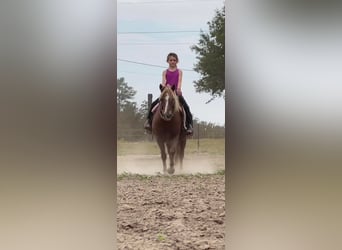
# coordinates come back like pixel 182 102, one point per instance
pixel 168 90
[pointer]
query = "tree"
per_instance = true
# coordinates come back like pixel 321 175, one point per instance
pixel 129 126
pixel 143 110
pixel 204 129
pixel 211 64
pixel 125 94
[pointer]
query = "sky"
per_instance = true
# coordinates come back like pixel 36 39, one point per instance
pixel 147 30
pixel 287 62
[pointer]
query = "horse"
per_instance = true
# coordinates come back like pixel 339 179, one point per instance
pixel 167 128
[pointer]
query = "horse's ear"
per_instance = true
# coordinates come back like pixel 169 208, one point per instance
pixel 173 87
pixel 161 87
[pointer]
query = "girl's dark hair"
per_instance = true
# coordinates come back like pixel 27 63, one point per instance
pixel 173 55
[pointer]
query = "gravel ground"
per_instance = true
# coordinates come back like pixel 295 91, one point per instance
pixel 171 212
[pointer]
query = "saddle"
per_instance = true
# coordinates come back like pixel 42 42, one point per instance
pixel 154 110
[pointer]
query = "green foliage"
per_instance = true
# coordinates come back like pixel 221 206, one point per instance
pixel 125 94
pixel 211 64
pixel 127 175
pixel 221 172
pixel 161 237
pixel 129 118
pixel 207 130
pixel 143 110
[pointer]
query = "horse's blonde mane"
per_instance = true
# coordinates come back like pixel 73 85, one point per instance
pixel 167 89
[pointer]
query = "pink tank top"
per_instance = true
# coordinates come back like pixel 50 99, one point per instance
pixel 172 78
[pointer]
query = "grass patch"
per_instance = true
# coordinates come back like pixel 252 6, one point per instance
pixel 208 146
pixel 203 146
pixel 137 148
pixel 126 175
pixel 221 172
pixel 161 237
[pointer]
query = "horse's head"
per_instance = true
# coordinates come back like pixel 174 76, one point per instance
pixel 161 87
pixel 169 103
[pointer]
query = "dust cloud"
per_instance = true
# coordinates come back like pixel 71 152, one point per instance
pixel 152 164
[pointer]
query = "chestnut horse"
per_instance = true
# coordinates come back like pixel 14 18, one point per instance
pixel 167 127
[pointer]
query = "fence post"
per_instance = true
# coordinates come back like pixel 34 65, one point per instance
pixel 198 136
pixel 149 103
pixel 149 100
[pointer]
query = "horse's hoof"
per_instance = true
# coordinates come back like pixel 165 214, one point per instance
pixel 171 170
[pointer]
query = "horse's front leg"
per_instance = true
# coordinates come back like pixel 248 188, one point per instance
pixel 172 153
pixel 162 154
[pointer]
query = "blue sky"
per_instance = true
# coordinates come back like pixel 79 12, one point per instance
pixel 188 16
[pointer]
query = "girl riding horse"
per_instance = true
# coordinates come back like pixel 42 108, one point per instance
pixel 172 77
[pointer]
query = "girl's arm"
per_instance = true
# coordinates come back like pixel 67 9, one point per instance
pixel 164 78
pixel 180 80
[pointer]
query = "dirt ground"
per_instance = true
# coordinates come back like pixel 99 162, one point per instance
pixel 171 212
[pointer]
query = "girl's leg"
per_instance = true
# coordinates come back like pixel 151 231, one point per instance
pixel 150 114
pixel 148 122
pixel 189 122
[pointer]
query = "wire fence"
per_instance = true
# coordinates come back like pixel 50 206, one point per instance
pixel 200 132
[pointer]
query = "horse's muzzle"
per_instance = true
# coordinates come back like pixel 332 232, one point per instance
pixel 166 117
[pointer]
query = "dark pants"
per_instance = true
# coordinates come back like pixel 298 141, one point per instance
pixel 182 102
pixel 187 111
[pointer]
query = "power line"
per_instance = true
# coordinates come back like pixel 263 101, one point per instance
pixel 136 73
pixel 147 64
pixel 168 2
pixel 159 32
pixel 154 44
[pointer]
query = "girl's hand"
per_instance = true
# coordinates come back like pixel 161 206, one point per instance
pixel 179 92
pixel 161 87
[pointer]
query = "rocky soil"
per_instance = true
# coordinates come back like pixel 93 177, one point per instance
pixel 171 212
